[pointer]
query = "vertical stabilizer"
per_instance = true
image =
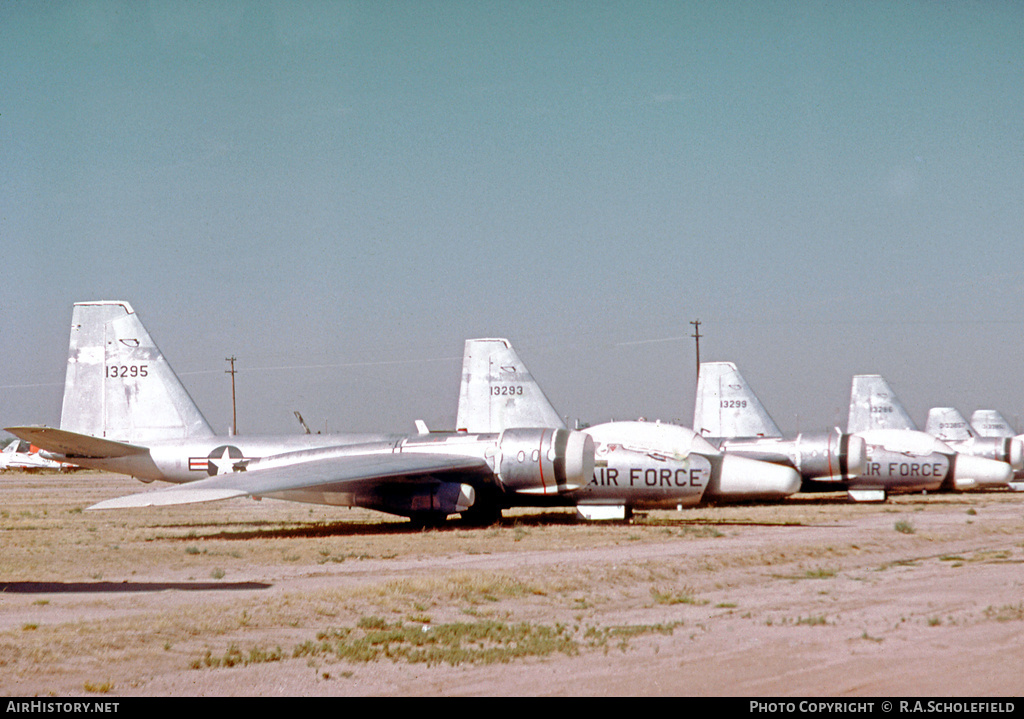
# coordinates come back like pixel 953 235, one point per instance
pixel 726 407
pixel 990 423
pixel 498 392
pixel 118 384
pixel 948 424
pixel 873 405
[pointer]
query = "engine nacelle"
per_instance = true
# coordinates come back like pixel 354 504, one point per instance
pixel 544 461
pixel 824 455
pixel 820 456
pixel 1001 449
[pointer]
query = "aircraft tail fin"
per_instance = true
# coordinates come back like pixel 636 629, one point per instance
pixel 726 407
pixel 118 384
pixel 498 392
pixel 873 405
pixel 990 423
pixel 948 424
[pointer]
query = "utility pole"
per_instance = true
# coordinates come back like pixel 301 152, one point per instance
pixel 234 415
pixel 696 336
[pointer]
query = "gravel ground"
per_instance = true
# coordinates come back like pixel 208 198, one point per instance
pixel 920 596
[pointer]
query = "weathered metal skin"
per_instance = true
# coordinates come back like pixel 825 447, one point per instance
pixel 638 464
pixel 652 465
pixel 877 414
pixel 544 462
pixel 824 456
pixel 990 424
pixel 880 452
pixel 949 425
pixel 125 411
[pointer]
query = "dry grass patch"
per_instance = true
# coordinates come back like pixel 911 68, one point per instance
pixel 484 642
pixel 118 598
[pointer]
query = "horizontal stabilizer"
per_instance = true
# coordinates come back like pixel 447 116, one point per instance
pixel 169 497
pixel 74 445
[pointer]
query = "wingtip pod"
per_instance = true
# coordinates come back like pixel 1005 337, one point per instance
pixel 977 472
pixel 168 497
pixel 745 478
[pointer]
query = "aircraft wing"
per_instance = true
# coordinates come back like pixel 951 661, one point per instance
pixel 73 444
pixel 345 473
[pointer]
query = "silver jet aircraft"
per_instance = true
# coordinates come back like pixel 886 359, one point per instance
pixel 913 460
pixel 869 460
pixel 728 413
pixel 125 411
pixel 949 425
pixel 638 464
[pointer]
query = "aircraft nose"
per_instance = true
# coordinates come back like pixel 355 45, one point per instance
pixel 743 477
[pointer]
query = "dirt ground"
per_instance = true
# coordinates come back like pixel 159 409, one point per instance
pixel 920 596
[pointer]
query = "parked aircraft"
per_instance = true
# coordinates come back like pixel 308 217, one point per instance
pixel 22 455
pixel 125 411
pixel 638 464
pixel 869 460
pixel 728 413
pixel 949 425
pixel 991 424
pixel 927 464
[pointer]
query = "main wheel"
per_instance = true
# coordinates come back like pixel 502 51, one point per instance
pixel 428 520
pixel 481 515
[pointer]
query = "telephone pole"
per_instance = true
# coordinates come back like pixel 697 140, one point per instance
pixel 696 336
pixel 234 415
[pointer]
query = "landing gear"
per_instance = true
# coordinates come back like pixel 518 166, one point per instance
pixel 481 515
pixel 428 520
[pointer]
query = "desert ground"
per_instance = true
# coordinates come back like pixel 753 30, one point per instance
pixel 814 596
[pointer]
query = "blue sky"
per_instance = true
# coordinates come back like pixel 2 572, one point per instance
pixel 340 193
